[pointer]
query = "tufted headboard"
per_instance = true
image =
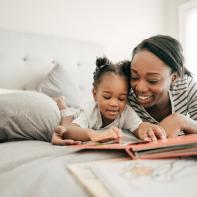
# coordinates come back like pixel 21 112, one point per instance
pixel 25 59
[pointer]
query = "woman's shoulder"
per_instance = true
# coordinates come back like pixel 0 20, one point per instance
pixel 183 84
pixel 191 81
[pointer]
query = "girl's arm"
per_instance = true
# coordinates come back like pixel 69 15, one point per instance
pixel 58 140
pixel 75 132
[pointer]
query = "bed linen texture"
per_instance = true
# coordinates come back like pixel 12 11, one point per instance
pixel 37 168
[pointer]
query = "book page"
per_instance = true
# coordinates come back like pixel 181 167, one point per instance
pixel 84 174
pixel 126 139
pixel 153 178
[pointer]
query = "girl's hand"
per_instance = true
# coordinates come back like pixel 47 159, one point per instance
pixel 112 133
pixel 150 132
pixel 60 130
pixel 58 137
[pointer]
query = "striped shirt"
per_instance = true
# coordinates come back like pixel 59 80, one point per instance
pixel 183 98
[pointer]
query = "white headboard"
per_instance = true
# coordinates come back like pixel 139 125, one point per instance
pixel 27 58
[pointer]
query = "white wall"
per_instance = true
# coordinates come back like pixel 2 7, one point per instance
pixel 171 13
pixel 117 24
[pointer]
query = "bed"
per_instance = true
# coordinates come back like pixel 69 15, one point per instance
pixel 34 68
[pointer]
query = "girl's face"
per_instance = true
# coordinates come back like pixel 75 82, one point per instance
pixel 111 96
pixel 150 79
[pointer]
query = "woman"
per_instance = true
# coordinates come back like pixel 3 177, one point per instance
pixel 163 90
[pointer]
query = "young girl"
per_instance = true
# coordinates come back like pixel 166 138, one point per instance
pixel 103 119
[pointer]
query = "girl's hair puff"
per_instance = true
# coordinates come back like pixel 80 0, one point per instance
pixel 105 66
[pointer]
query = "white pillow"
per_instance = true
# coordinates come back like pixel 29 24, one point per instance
pixel 6 91
pixel 62 82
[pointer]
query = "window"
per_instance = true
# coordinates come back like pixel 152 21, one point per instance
pixel 188 34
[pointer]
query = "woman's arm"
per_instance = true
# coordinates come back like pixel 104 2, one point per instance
pixel 175 123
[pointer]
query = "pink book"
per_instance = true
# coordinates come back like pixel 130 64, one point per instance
pixel 180 146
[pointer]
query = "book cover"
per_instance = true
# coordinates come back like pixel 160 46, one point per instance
pixel 185 145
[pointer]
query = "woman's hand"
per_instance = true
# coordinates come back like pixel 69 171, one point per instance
pixel 150 132
pixel 112 133
pixel 58 137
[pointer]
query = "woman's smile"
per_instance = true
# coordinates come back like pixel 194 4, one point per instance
pixel 144 98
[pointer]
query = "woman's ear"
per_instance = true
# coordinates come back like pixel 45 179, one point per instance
pixel 174 77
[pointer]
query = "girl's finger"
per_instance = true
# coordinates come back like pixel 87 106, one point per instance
pixel 71 142
pixel 117 131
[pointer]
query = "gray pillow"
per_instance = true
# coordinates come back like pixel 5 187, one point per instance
pixel 27 116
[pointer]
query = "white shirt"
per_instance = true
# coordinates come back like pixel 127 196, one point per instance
pixel 90 117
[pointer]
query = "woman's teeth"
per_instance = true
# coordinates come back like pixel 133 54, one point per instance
pixel 143 97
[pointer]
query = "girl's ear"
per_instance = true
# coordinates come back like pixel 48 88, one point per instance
pixel 94 93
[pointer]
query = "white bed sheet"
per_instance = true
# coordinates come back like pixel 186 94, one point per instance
pixel 35 168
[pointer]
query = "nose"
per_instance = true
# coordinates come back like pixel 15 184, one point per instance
pixel 141 86
pixel 113 102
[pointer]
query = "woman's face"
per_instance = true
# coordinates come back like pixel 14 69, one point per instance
pixel 150 79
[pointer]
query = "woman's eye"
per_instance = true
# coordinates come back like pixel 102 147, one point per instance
pixel 153 81
pixel 134 78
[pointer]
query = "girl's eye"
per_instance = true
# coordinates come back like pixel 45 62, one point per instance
pixel 122 99
pixel 106 97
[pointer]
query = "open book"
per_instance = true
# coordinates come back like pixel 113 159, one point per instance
pixel 168 148
pixel 85 175
pixel 139 178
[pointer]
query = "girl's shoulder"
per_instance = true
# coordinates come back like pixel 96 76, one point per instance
pixel 89 106
pixel 128 109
